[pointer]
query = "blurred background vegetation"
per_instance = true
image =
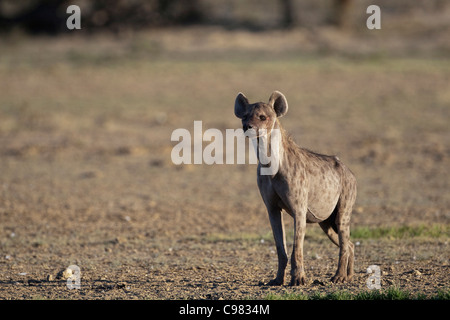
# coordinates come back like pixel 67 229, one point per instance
pixel 49 16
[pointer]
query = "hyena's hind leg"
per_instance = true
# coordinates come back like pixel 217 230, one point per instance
pixel 330 229
pixel 337 228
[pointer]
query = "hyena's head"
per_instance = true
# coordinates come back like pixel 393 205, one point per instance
pixel 259 118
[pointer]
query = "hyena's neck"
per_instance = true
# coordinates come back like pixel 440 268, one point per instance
pixel 275 149
pixel 270 150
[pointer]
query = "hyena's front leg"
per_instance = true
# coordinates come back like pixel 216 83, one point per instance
pixel 276 222
pixel 298 270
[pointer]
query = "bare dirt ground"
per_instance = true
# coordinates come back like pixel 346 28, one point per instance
pixel 86 176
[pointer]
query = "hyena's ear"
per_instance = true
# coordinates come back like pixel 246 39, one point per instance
pixel 279 103
pixel 240 105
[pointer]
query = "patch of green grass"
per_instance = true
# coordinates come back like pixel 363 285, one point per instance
pixel 359 232
pixel 401 232
pixel 391 293
pixel 443 295
pixel 287 296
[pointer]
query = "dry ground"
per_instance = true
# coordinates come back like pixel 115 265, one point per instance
pixel 86 176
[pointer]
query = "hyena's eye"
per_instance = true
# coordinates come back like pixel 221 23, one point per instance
pixel 262 118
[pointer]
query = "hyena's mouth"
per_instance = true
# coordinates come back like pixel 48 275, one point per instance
pixel 253 133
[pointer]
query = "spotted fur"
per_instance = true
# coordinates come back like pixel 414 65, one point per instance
pixel 310 187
